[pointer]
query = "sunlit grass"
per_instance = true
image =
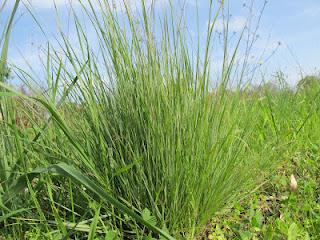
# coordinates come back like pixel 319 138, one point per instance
pixel 141 140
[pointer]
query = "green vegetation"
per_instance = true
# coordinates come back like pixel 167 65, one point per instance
pixel 275 212
pixel 137 144
pixel 309 83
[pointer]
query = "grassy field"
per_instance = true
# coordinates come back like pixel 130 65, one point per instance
pixel 138 143
pixel 274 212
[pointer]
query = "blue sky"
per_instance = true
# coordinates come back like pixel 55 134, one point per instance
pixel 293 23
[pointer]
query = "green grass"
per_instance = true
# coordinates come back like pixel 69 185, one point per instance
pixel 274 212
pixel 138 144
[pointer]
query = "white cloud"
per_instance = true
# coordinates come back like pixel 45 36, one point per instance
pixel 118 4
pixel 45 4
pixel 235 24
pixel 311 12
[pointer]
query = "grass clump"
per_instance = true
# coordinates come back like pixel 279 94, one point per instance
pixel 155 133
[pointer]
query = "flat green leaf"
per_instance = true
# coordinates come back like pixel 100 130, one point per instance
pixel 93 225
pixel 146 215
pixel 293 232
pixel 111 235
